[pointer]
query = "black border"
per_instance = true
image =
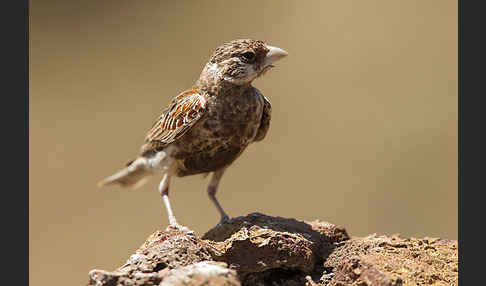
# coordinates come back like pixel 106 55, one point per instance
pixel 472 141
pixel 15 118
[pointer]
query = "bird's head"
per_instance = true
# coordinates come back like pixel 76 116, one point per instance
pixel 241 61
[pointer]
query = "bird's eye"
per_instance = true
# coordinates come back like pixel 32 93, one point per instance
pixel 249 56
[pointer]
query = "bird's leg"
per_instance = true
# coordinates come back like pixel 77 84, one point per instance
pixel 212 189
pixel 164 192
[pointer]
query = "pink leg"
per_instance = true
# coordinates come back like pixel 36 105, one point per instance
pixel 164 191
pixel 212 189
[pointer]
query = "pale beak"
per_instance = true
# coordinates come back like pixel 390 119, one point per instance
pixel 274 54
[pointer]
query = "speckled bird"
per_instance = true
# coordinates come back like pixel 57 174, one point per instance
pixel 204 129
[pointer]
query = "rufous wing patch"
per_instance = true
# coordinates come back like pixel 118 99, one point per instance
pixel 181 114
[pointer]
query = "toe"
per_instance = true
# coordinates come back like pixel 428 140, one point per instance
pixel 180 228
pixel 224 220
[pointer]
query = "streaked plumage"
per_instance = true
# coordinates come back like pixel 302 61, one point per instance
pixel 206 128
pixel 181 114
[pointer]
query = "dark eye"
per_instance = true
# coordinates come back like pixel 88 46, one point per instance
pixel 249 56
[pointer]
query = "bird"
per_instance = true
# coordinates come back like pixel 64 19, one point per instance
pixel 204 129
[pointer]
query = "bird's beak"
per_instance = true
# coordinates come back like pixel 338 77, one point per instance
pixel 274 54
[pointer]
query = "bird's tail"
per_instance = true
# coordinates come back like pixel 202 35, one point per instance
pixel 134 175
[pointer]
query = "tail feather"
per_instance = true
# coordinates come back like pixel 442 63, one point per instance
pixel 132 176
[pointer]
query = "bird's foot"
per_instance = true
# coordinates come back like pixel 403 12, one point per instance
pixel 180 228
pixel 224 220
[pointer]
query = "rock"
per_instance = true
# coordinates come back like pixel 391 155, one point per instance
pixel 152 262
pixel 202 273
pixel 383 260
pixel 197 274
pixel 170 248
pixel 263 250
pixel 257 243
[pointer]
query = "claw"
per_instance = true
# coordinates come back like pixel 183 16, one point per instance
pixel 179 228
pixel 224 220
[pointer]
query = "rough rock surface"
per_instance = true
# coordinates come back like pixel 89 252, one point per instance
pixel 265 250
pixel 382 260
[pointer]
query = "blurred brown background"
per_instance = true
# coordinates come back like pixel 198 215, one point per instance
pixel 363 134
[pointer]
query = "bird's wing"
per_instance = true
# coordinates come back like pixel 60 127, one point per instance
pixel 265 121
pixel 181 114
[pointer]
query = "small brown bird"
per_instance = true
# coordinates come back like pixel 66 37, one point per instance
pixel 206 128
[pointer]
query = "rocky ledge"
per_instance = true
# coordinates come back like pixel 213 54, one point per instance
pixel 264 250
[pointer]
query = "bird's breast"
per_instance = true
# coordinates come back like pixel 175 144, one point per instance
pixel 229 126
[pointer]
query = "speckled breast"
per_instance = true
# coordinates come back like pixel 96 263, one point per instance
pixel 229 126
